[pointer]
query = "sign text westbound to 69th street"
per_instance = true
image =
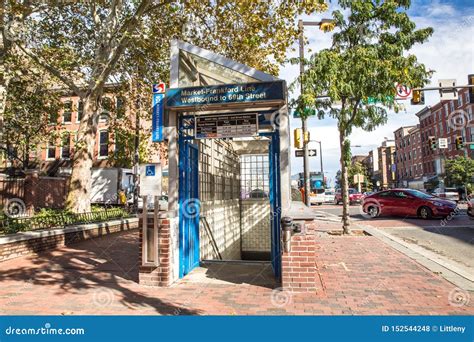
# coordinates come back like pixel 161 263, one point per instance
pixel 226 93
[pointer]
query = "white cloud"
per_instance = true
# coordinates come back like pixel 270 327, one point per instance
pixel 450 52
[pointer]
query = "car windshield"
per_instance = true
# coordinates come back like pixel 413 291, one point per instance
pixel 353 191
pixel 419 194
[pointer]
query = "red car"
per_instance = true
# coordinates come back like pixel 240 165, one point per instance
pixel 407 203
pixel 354 196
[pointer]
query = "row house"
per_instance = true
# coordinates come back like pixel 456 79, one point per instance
pixel 446 119
pixel 409 157
pixel 55 156
pixel 416 161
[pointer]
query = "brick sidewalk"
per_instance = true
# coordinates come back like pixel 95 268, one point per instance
pixel 361 275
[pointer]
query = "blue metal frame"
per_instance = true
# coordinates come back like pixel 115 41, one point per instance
pixel 188 202
pixel 189 189
pixel 275 203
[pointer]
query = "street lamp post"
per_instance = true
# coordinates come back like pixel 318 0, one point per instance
pixel 304 123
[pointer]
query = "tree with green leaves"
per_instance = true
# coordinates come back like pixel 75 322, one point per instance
pixel 31 105
pixel 84 45
pixel 368 56
pixel 460 172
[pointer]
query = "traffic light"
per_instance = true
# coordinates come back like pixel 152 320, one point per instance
pixel 298 134
pixel 471 90
pixel 418 97
pixel 432 143
pixel 327 26
pixel 306 137
pixel 459 143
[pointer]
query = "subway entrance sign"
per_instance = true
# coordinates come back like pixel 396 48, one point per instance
pixel 226 126
pixel 217 95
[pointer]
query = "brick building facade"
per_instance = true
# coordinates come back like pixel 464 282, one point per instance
pixel 409 156
pixel 385 177
pixel 446 119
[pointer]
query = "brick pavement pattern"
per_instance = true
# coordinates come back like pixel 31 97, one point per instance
pixel 360 275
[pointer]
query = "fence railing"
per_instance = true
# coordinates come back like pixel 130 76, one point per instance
pixel 11 188
pixel 11 225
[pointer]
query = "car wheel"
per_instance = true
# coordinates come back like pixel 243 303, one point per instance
pixel 425 213
pixel 373 211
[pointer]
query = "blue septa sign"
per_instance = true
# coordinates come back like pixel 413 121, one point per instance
pixel 226 93
pixel 157 117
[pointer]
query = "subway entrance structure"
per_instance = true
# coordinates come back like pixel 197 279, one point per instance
pixel 227 130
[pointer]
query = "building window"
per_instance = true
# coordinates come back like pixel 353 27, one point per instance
pixel 80 111
pixel 66 146
pixel 120 106
pixel 254 179
pixel 460 101
pixel 451 106
pixel 51 150
pixel 67 112
pixel 103 144
pixel 106 105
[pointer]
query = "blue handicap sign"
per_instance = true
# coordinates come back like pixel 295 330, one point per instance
pixel 150 170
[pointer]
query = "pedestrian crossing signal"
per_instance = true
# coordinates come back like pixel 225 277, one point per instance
pixel 418 97
pixel 459 143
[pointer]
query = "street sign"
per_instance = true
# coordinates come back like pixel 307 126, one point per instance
pixel 403 92
pixel 257 92
pixel 311 153
pixel 471 146
pixel 450 93
pixel 373 100
pixel 157 117
pixel 442 143
pixel 159 87
pixel 307 113
pixel 226 126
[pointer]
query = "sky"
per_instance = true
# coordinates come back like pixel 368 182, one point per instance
pixel 450 52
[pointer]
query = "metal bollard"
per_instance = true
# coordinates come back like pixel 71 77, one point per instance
pixel 287 228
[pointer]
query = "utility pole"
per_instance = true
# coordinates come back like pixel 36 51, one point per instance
pixel 304 120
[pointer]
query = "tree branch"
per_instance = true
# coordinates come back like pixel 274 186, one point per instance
pixel 55 72
pixel 354 113
pixel 125 30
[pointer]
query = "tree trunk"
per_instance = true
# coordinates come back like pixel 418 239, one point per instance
pixel 78 199
pixel 344 185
